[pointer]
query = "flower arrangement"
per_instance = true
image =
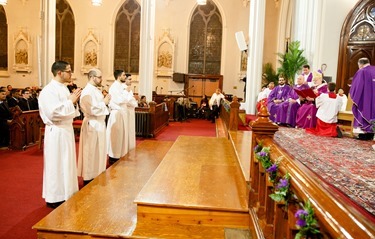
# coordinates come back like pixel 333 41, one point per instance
pixel 306 222
pixel 263 156
pixel 282 192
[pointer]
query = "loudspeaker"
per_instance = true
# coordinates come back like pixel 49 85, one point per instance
pixel 240 38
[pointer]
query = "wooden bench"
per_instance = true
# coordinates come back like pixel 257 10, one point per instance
pixel 346 118
pixel 150 120
pixel 24 128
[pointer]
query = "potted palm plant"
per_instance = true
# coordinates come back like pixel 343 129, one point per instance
pixel 291 61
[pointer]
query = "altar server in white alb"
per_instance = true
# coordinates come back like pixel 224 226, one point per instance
pixel 117 128
pixel 92 157
pixel 133 102
pixel 57 110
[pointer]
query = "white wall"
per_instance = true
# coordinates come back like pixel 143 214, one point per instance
pixel 335 12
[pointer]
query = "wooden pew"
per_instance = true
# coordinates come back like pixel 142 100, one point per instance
pixel 24 129
pixel 336 218
pixel 229 113
pixel 150 120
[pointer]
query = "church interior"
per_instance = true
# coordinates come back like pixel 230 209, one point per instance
pixel 202 185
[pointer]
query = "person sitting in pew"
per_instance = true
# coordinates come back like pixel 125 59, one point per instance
pixel 143 102
pixel 328 107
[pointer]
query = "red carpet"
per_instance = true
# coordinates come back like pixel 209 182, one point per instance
pixel 21 202
pixel 346 164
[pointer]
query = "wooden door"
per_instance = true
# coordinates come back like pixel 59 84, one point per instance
pixel 357 41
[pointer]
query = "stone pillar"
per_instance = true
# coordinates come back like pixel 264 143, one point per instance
pixel 255 54
pixel 47 43
pixel 146 64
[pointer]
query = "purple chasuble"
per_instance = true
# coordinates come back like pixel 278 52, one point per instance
pixel 362 93
pixel 306 114
pixel 309 77
pixel 287 112
pixel 278 93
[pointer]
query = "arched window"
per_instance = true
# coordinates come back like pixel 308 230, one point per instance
pixel 65 29
pixel 127 37
pixel 3 40
pixel 205 40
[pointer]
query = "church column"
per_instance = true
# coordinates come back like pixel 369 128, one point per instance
pixel 46 42
pixel 146 64
pixel 255 54
pixel 307 25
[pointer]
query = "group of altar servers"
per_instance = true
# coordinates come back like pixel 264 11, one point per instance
pixel 318 113
pixel 58 107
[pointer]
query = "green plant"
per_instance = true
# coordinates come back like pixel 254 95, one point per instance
pixel 306 222
pixel 291 62
pixel 269 74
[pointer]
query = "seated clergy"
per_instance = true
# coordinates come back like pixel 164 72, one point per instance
pixel 328 107
pixel 277 96
pixel 287 112
pixel 306 114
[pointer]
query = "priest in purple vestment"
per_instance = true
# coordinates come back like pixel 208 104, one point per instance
pixel 287 112
pixel 362 92
pixel 306 114
pixel 277 96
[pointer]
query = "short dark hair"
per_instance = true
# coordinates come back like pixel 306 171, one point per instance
pixel 306 66
pixel 3 89
pixel 117 73
pixel 363 61
pixel 331 86
pixel 58 66
pixel 24 91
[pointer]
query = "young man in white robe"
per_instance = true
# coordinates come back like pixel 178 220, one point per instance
pixel 57 110
pixel 92 157
pixel 117 128
pixel 133 102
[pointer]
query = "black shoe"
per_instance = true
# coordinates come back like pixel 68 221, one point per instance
pixel 54 204
pixel 112 160
pixel 367 136
pixel 85 182
pixel 339 133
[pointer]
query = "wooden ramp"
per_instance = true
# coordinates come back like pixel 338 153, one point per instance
pixel 198 183
pixel 104 208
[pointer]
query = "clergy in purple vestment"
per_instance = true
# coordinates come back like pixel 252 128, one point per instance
pixel 278 95
pixel 287 112
pixel 362 92
pixel 307 74
pixel 306 114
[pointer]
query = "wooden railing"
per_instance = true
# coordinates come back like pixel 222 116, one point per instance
pixel 229 113
pixel 24 128
pixel 159 116
pixel 336 218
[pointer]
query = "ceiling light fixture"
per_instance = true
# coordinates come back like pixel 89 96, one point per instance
pixel 95 2
pixel 201 2
pixel 3 2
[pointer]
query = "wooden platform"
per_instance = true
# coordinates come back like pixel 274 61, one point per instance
pixel 198 183
pixel 197 191
pixel 104 208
